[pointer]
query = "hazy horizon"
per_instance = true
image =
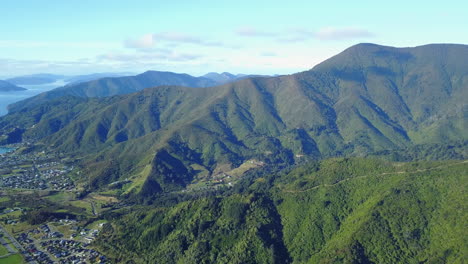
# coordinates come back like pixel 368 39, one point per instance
pixel 204 36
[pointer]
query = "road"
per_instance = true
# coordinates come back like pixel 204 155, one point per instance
pixel 373 175
pixel 15 243
pixel 8 247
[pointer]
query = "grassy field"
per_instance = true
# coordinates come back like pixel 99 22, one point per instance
pixel 12 215
pixel 102 198
pixel 138 181
pixel 110 192
pixel 61 197
pixel 64 229
pixel 13 259
pixel 83 204
pixel 18 228
pixel 239 171
pixel 95 224
pixel 3 250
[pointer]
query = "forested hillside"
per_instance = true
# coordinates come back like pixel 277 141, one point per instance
pixel 334 211
pixel 367 99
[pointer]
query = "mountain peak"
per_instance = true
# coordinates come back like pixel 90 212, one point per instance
pixel 365 55
pixel 222 77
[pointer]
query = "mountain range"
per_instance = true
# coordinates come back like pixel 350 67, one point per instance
pixel 303 168
pixel 94 76
pixel 9 87
pixel 366 99
pixel 108 86
pixel 224 77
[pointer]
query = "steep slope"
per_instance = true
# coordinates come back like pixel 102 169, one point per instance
pixel 236 229
pixel 363 100
pixel 421 88
pixel 367 211
pixel 333 211
pixel 8 87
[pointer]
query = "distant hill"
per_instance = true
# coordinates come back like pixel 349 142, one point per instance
pixel 271 169
pixel 116 85
pixel 9 87
pixel 94 76
pixel 46 78
pixel 367 99
pixel 35 79
pixel 224 77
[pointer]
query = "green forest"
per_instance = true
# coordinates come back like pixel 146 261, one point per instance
pixel 341 210
pixel 361 159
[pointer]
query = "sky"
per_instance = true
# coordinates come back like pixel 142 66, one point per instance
pixel 196 37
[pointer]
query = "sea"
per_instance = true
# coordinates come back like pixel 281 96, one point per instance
pixel 5 150
pixel 7 98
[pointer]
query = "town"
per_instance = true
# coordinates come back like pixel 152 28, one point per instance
pixel 34 171
pixel 45 244
pixel 45 180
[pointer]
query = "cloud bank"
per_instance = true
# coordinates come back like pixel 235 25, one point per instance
pixel 331 33
pixel 151 40
pixel 301 34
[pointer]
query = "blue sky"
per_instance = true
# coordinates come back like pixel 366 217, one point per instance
pixel 196 37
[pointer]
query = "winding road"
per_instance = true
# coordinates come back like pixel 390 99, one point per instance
pixel 373 175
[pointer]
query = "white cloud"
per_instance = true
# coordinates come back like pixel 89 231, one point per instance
pixel 177 37
pixel 18 67
pixel 302 34
pixel 175 50
pixel 332 33
pixel 155 56
pixel 148 41
pixel 55 44
pixel 144 42
pixel 288 35
pixel 253 32
pixel 268 54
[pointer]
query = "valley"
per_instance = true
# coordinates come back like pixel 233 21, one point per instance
pixel 49 216
pixel 75 224
pixel 361 159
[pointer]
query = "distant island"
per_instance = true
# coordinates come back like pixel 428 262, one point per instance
pixel 8 87
pixel 47 78
pixel 35 79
